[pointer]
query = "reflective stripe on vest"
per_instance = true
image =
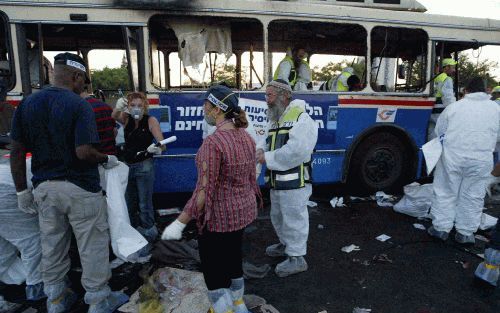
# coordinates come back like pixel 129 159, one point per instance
pixel 292 77
pixel 293 178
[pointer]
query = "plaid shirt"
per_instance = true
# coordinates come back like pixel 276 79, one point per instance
pixel 226 173
pixel 105 126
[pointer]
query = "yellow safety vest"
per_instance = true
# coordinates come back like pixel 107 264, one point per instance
pixel 438 86
pixel 340 85
pixel 293 178
pixel 292 77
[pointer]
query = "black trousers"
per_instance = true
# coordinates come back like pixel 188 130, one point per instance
pixel 221 258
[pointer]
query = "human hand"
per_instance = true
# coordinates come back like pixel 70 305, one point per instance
pixel 261 157
pixel 25 202
pixel 112 162
pixel 173 231
pixel 153 149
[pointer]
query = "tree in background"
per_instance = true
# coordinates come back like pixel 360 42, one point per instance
pixel 110 78
pixel 469 68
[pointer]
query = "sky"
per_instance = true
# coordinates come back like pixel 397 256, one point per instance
pixel 476 8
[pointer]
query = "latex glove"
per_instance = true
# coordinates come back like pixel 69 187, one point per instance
pixel 492 181
pixel 112 162
pixel 173 231
pixel 25 201
pixel 121 105
pixel 153 149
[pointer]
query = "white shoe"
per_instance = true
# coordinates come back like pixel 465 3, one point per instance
pixel 292 265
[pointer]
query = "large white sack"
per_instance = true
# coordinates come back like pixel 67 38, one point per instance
pixel 417 200
pixel 125 240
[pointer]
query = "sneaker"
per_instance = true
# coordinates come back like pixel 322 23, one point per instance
pixel 292 265
pixel 442 235
pixel 115 300
pixel 463 239
pixel 276 250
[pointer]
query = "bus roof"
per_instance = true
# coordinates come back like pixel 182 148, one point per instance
pixel 439 27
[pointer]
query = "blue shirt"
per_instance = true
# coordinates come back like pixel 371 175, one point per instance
pixel 51 124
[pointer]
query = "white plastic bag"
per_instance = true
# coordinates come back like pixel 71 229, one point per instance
pixel 417 200
pixel 125 240
pixel 432 153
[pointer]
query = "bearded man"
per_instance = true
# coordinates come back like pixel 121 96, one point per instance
pixel 292 135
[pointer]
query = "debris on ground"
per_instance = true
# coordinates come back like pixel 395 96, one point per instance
pixel 267 308
pixel 481 238
pixel 252 271
pixel 382 258
pixel 383 199
pixel 419 226
pixel 177 252
pixel 350 248
pixel 170 290
pixel 312 204
pixel 383 238
pixel 337 202
pixel 253 301
pixel 324 311
pixel 171 211
pixel 361 310
pixel 320 226
pixel 416 201
pixel 487 221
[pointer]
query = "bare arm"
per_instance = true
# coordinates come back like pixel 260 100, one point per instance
pixel 18 165
pixel 90 154
pixel 154 128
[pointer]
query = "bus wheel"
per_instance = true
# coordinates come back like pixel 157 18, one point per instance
pixel 380 162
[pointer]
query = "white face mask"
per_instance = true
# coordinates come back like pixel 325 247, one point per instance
pixel 136 113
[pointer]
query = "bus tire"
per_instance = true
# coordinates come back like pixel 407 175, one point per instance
pixel 380 162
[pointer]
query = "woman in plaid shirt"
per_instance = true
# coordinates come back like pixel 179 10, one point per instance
pixel 224 201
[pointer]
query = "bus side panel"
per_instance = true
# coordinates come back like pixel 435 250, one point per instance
pixel 180 115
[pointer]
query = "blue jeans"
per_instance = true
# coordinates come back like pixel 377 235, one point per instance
pixel 139 194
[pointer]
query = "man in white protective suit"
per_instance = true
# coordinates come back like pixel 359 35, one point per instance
pixel 469 129
pixel 291 138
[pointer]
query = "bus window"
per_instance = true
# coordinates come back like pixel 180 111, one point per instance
pixel 197 52
pixel 6 73
pixel 330 47
pixel 100 46
pixel 399 59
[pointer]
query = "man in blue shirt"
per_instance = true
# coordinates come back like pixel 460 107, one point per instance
pixel 58 127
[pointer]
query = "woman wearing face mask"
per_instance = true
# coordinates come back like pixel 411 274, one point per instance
pixel 224 201
pixel 139 131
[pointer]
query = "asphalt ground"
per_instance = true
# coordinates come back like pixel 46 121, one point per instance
pixel 408 273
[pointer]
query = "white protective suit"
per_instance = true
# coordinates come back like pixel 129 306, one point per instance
pixel 289 213
pixel 19 233
pixel 447 99
pixel 304 77
pixel 470 128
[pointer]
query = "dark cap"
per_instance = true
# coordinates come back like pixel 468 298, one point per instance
pixel 72 60
pixel 223 98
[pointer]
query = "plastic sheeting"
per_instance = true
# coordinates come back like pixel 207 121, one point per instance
pixel 197 37
pixel 125 240
pixel 417 200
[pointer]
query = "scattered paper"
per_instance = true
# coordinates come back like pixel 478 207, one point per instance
pixel 350 248
pixel 321 226
pixel 337 202
pixel 419 226
pixel 312 204
pixel 481 255
pixel 383 258
pixel 383 238
pixel 487 221
pixel 432 153
pixel 383 199
pixel 482 238
pixel 324 311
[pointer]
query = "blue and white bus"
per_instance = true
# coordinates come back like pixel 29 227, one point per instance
pixel 174 50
